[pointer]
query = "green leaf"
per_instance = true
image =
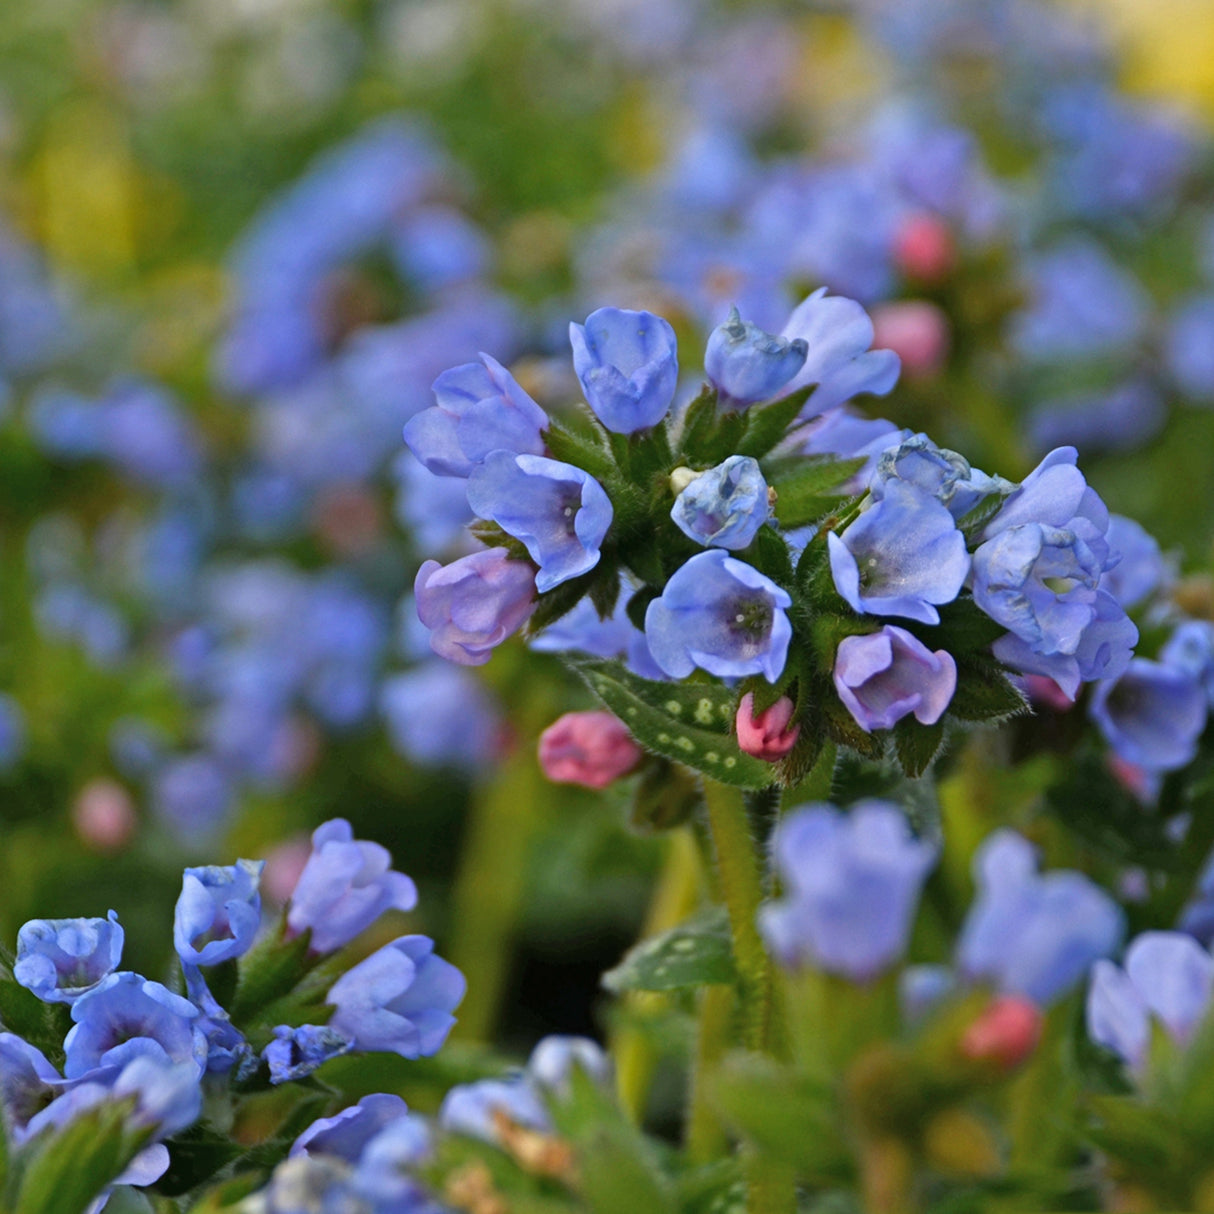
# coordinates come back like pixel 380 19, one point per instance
pixel 605 589
pixel 638 604
pixel 41 1024
pixel 197 1155
pixel 768 424
pixel 619 1174
pixel 588 453
pixel 964 627
pixel 973 521
pixel 769 554
pixel 696 953
pixel 667 794
pixel 984 693
pixel 917 745
pixel 685 722
pixel 270 970
pixel 560 600
pixel 812 487
pixel 699 420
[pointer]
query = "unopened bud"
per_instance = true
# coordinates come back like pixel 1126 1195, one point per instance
pixel 924 249
pixel 681 477
pixel 1006 1033
pixel 103 816
pixel 917 331
pixel 588 748
pixel 766 735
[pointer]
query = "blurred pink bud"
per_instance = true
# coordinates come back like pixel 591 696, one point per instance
pixel 103 816
pixel 1044 691
pixel 348 520
pixel 283 867
pixel 917 331
pixel 1137 780
pixel 924 249
pixel 1006 1033
pixel 767 735
pixel 588 748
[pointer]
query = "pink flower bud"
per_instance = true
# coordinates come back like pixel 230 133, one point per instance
pixel 767 735
pixel 1044 691
pixel 924 249
pixel 103 816
pixel 588 748
pixel 1006 1033
pixel 283 868
pixel 917 331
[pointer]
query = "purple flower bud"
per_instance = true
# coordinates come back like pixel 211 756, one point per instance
pixel 218 912
pixel 345 886
pixel 1152 715
pixel 126 1017
pixel 1033 935
pixel 560 513
pixel 746 365
pixel 472 605
pixel 627 365
pixel 399 999
pixel 885 675
pixel 725 506
pixel 722 615
pixel 902 556
pixel 852 883
pixel 481 408
pixel 296 1052
pixel 1168 976
pixel 60 959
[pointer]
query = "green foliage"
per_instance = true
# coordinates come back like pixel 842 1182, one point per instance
pixel 696 953
pixel 810 487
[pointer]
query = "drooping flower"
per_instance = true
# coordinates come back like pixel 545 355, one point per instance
pixel 218 912
pixel 345 886
pixel 852 883
pixel 400 999
pixel 560 513
pixel 1033 935
pixel 481 408
pixel 725 506
pixel 766 735
pixel 904 556
pixel 746 365
pixel 884 676
pixel 1167 977
pixel 722 615
pixel 60 959
pixel 472 605
pixel 628 367
pixel 593 749
pixel 1152 715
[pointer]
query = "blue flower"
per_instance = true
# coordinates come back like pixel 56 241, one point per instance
pixel 1189 349
pixel 28 1082
pixel 1152 715
pixel 1033 935
pixel 345 886
pixel 1168 977
pixel 554 1058
pixel 746 364
pixel 296 1052
pixel 399 999
pixel 481 408
pixel 902 556
pixel 560 513
pixel 725 506
pixel 627 365
pixel 60 959
pixel 124 1017
pixel 852 884
pixel 12 732
pixel 475 1109
pixel 345 1134
pixel 884 676
pixel 1190 649
pixel 722 615
pixel 937 472
pixel 1141 569
pixel 218 912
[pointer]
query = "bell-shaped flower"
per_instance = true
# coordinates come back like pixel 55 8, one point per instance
pixel 60 959
pixel 481 408
pixel 1152 716
pixel 473 604
pixel 722 615
pixel 903 556
pixel 560 513
pixel 884 676
pixel 628 367
pixel 28 1082
pixel 218 912
pixel 1167 977
pixel 125 1017
pixel 1190 649
pixel 837 333
pixel 399 1000
pixel 725 506
pixel 345 1134
pixel 1033 935
pixel 852 883
pixel 345 886
pixel 746 365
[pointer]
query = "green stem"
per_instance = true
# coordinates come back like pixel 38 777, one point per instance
pixel 705 1137
pixel 741 884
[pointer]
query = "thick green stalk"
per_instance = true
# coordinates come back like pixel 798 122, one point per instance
pixel 705 1138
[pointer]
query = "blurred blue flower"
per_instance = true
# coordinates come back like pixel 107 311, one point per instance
pixel 1190 649
pixel 60 959
pixel 12 733
pixel 1141 569
pixel 560 513
pixel 193 795
pixel 1152 715
pixel 438 714
pixel 852 884
pixel 473 1109
pixel 627 365
pixel 1189 349
pixel 722 615
pixel 400 999
pixel 725 506
pixel 1121 418
pixel 1033 935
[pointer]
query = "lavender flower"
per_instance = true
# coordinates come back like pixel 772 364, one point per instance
pixel 725 506
pixel 884 676
pixel 746 365
pixel 60 959
pixel 1152 715
pixel 218 912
